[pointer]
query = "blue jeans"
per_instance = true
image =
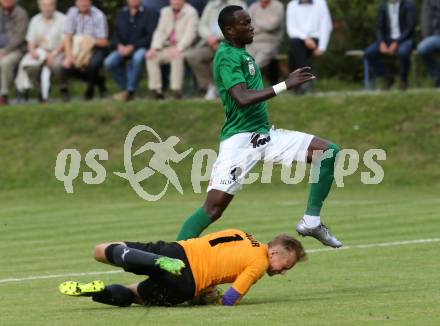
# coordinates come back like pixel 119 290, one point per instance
pixel 374 58
pixel 126 71
pixel 428 49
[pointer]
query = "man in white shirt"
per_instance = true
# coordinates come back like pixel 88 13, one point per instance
pixel 45 49
pixel 395 25
pixel 309 26
pixel 268 22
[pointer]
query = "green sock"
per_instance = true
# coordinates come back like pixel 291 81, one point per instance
pixel 319 191
pixel 194 225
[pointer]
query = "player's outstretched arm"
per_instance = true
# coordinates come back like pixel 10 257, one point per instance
pixel 244 96
pixel 244 281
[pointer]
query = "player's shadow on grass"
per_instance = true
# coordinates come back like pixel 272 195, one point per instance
pixel 107 307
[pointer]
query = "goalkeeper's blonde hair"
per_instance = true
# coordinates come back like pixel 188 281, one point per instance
pixel 290 244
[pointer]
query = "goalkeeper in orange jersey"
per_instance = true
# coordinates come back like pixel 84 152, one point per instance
pixel 181 271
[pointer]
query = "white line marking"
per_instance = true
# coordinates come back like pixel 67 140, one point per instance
pixel 375 245
pixel 362 246
pixel 44 277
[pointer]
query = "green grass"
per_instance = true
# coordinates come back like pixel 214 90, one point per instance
pixel 44 231
pixel 53 233
pixel 407 126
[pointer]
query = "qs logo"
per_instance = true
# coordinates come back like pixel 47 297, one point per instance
pixel 163 152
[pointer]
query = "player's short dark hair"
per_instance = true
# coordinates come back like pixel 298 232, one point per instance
pixel 226 16
pixel 290 244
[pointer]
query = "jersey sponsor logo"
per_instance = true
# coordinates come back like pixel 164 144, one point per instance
pixel 251 238
pixel 250 66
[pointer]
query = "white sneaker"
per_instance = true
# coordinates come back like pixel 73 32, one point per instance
pixel 211 93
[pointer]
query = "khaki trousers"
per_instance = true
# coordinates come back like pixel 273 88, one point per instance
pixel 263 53
pixel 34 71
pixel 155 75
pixel 200 62
pixel 8 63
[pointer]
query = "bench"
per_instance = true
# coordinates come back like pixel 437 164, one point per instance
pixel 367 78
pixel 277 67
pixel 360 54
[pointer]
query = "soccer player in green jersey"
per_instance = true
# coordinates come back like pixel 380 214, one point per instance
pixel 246 137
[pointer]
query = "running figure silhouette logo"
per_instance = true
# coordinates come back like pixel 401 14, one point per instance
pixel 163 153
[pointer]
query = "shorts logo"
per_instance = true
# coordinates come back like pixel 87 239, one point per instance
pixel 226 182
pixel 233 174
pixel 126 251
pixel 257 141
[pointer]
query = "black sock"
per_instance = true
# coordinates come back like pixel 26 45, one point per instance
pixel 132 260
pixel 115 295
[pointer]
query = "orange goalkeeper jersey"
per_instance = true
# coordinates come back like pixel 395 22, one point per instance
pixel 229 256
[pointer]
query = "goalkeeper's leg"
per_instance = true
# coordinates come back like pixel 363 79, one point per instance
pixel 136 261
pixel 114 295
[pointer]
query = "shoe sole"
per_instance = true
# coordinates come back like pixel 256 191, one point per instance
pixel 76 289
pixel 325 244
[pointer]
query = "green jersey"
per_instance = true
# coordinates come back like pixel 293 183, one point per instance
pixel 233 66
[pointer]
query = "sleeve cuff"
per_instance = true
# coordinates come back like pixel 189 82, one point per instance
pixel 230 297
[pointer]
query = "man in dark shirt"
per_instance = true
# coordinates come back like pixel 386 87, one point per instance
pixel 156 5
pixel 395 25
pixel 134 27
pixel 430 46
pixel 13 25
pixel 199 5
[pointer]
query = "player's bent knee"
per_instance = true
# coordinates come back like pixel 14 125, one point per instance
pixel 99 252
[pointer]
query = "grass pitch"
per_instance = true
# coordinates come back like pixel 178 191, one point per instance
pixel 47 233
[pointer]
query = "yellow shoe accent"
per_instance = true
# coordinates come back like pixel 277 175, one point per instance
pixel 77 289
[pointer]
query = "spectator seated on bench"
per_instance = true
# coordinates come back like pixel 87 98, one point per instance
pixel 268 22
pixel 396 20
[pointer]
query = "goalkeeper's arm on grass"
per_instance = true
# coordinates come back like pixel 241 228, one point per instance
pixel 244 281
